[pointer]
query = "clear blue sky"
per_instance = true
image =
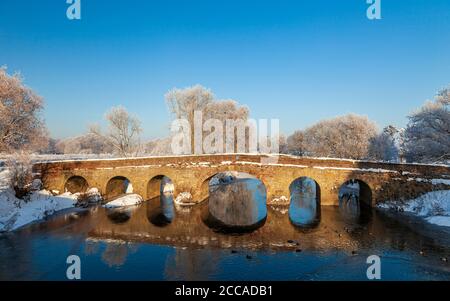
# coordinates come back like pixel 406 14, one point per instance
pixel 299 61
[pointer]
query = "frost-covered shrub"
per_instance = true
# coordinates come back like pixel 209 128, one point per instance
pixel 20 173
pixel 341 137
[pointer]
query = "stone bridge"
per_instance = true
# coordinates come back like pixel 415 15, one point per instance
pixel 378 181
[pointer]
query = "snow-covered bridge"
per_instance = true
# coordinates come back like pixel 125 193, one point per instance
pixel 378 181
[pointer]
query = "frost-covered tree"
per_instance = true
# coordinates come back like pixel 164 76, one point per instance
pixel 183 103
pixel 21 124
pixel 342 137
pixel 123 131
pixel 159 147
pixel 85 144
pixel 295 143
pixel 224 110
pixel 428 131
pixel 383 147
pixel 283 144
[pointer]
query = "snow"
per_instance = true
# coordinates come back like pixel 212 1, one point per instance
pixel 433 206
pixel 184 199
pixel 432 181
pixel 440 181
pixel 93 195
pixel 168 188
pixel 439 220
pixel 280 200
pixel 129 188
pixel 110 157
pixel 15 213
pixel 356 169
pixel 126 200
pixel 167 185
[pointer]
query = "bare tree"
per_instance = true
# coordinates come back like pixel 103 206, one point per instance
pixel 21 126
pixel 123 131
pixel 428 131
pixel 342 137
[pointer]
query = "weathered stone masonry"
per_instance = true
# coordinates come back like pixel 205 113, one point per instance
pixel 380 181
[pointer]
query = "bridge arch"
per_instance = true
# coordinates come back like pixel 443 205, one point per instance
pixel 236 204
pixel 158 185
pixel 202 193
pixel 117 186
pixel 358 188
pixel 304 201
pixel 76 184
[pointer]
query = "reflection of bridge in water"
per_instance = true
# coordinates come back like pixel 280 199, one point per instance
pixel 189 229
pixel 377 181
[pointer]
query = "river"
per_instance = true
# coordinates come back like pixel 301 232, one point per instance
pixel 157 241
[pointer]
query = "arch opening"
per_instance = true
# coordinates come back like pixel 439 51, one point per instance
pixel 160 208
pixel 118 186
pixel 304 205
pixel 236 202
pixel 159 185
pixel 355 199
pixel 76 184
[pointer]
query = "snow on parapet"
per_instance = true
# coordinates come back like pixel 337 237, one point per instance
pixel 45 159
pixel 357 169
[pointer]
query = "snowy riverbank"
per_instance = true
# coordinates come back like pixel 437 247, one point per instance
pixel 434 207
pixel 15 212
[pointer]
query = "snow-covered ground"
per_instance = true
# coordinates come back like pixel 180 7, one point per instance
pixel 434 207
pixel 126 200
pixel 15 213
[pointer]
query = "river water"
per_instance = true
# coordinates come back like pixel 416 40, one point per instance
pixel 156 241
